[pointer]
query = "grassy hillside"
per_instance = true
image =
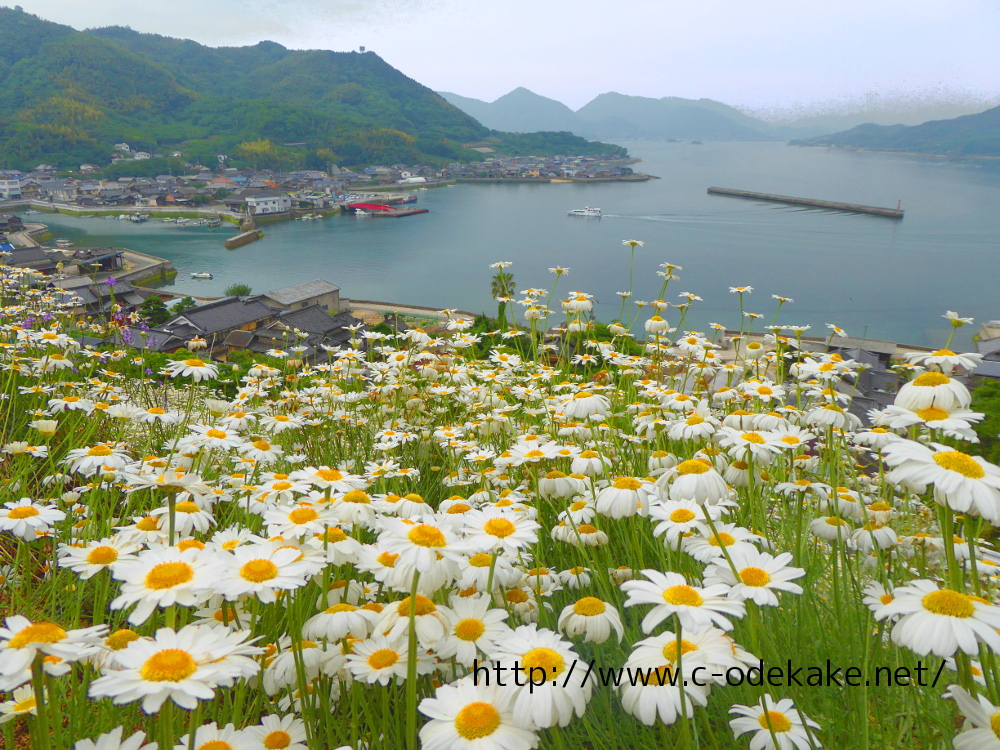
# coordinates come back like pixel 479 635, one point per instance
pixel 69 96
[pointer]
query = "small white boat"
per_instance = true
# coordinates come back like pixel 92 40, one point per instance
pixel 362 213
pixel 201 276
pixel 63 243
pixel 586 211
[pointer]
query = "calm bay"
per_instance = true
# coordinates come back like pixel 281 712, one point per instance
pixel 876 278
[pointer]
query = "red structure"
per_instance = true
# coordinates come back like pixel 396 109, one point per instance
pixel 370 206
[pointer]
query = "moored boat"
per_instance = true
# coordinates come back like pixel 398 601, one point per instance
pixel 201 276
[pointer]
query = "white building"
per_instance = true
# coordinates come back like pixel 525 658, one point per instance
pixel 9 188
pixel 268 202
pixel 123 147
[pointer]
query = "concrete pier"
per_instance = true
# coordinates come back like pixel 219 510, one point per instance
pixel 855 208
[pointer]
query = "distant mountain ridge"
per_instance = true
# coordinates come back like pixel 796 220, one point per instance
pixel 968 135
pixel 612 115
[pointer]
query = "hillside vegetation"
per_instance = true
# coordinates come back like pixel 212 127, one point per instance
pixel 71 95
pixel 969 135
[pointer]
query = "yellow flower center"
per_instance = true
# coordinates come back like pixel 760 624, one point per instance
pixel 535 454
pixel 470 629
pixel 933 414
pixel 499 527
pixel 722 539
pixel 555 475
pixel 583 394
pixel 670 650
pixel 383 658
pixel 517 596
pixel 627 483
pixel 693 420
pixel 334 534
pixel 338 608
pixel 303 515
pixel 281 486
pixel 258 571
pixel 589 606
pixel 24 511
pixel 387 559
pixel 586 528
pixel 995 724
pixel 481 560
pixel 217 434
pixel 458 508
pixel 835 521
pixel 544 658
pixel 424 606
pixel 949 603
pixel 187 507
pixel 156 410
pixel 886 598
pixel 22 707
pixel 589 454
pixel 40 632
pixel 790 440
pixel 168 575
pixel 102 555
pixel 879 506
pixel 753 437
pixel 693 466
pixel 425 535
pixel 356 496
pixel 149 523
pixel 477 720
pixel 682 596
pixel 754 577
pixel 775 721
pixel 169 665
pixel 277 740
pixel 682 515
pixel 194 362
pixel 959 462
pixel 100 450
pixel 930 379
pixel 120 639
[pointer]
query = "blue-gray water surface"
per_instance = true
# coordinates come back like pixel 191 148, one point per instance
pixel 877 278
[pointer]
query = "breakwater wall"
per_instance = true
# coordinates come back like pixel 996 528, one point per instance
pixel 855 208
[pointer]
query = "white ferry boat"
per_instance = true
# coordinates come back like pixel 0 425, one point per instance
pixel 586 211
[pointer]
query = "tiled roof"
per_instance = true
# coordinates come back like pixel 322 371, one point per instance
pixel 291 294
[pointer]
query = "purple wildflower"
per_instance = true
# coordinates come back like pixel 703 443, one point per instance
pixel 110 281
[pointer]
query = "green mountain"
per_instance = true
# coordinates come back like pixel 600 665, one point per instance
pixel 968 135
pixel 69 96
pixel 614 114
pixel 519 111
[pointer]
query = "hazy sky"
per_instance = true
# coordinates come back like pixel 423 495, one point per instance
pixel 764 53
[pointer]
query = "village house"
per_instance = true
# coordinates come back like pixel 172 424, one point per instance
pixel 212 322
pixel 317 292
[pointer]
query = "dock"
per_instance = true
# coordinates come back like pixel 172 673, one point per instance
pixel 398 212
pixel 244 238
pixel 855 208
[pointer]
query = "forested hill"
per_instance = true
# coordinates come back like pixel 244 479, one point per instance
pixel 969 135
pixel 69 96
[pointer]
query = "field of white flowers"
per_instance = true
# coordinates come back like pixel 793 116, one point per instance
pixel 356 552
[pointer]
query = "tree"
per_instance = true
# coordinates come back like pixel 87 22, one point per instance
pixel 185 303
pixel 154 311
pixel 502 288
pixel 238 290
